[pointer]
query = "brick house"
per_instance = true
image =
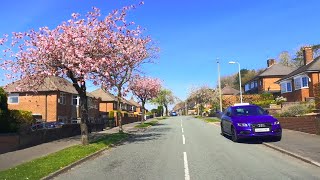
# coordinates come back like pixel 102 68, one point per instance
pixel 109 102
pixel 299 85
pixel 55 100
pixel 265 81
pixel 136 106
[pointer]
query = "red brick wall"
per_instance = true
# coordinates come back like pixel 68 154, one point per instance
pixel 296 95
pixel 269 85
pixel 307 124
pixel 36 104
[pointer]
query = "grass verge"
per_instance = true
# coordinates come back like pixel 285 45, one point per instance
pixel 209 120
pixel 161 118
pixel 146 124
pixel 41 167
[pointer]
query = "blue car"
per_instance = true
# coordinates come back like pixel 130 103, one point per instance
pixel 247 121
pixel 173 113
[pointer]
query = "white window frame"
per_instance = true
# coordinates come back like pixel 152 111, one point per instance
pixel 285 84
pixel 73 98
pixel 13 95
pixel 62 98
pixel 298 82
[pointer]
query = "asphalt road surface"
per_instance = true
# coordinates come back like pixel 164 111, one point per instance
pixel 188 148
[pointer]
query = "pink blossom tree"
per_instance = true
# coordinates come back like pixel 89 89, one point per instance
pixel 145 89
pixel 131 51
pixel 80 49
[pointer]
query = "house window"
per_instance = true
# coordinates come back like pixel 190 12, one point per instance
pixel 305 81
pixel 286 87
pixel 301 82
pixel 62 98
pixel 255 84
pixel 289 87
pixel 246 87
pixel 13 98
pixel 75 100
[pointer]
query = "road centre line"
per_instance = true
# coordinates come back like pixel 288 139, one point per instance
pixel 186 168
pixel 182 130
pixel 183 139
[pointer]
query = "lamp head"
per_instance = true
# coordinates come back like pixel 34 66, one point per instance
pixel 232 62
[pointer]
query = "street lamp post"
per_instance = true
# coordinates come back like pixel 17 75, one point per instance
pixel 233 62
pixel 219 82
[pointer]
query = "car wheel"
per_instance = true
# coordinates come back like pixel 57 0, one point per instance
pixel 234 135
pixel 278 138
pixel 222 130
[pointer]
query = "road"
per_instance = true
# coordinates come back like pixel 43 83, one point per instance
pixel 188 148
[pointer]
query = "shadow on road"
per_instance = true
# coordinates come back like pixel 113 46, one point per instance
pixel 252 140
pixel 143 135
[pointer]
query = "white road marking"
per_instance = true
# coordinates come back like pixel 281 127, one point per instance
pixel 182 130
pixel 186 168
pixel 183 139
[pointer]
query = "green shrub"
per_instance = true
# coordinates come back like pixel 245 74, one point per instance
pixel 5 122
pixel 295 110
pixel 22 117
pixel 264 103
pixel 266 96
pixel 3 100
pixel 111 115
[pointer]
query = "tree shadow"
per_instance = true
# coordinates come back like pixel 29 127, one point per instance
pixel 255 140
pixel 145 135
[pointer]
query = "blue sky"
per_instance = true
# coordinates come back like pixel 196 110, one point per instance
pixel 191 34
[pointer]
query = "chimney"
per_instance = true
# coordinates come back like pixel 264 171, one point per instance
pixel 270 62
pixel 307 54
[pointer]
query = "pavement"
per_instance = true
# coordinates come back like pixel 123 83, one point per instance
pixel 188 148
pixel 14 158
pixel 300 145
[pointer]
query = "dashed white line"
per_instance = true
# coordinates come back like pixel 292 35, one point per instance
pixel 183 139
pixel 182 130
pixel 186 168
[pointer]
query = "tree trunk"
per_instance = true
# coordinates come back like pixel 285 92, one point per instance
pixel 83 106
pixel 142 112
pixel 84 119
pixel 119 115
pixel 198 109
pixel 166 106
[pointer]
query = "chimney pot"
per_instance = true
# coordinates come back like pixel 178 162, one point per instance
pixel 307 54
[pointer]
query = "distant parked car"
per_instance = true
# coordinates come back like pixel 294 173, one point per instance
pixel 245 121
pixel 46 125
pixel 173 113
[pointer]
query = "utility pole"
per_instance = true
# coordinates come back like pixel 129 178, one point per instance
pixel 186 107
pixel 219 82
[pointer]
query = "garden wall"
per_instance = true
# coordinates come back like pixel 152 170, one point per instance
pixel 307 124
pixel 15 141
